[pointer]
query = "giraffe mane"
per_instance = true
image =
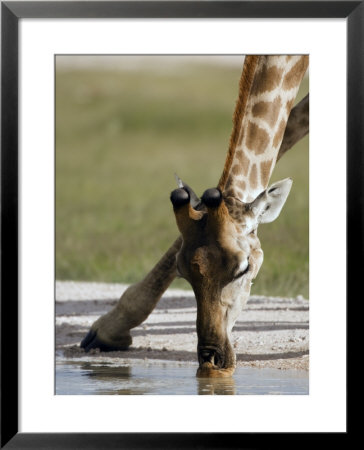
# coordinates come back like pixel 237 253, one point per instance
pixel 245 85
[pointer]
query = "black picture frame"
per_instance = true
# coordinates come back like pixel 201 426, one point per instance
pixel 11 13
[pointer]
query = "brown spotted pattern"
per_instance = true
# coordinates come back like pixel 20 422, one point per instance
pixel 267 79
pixel 268 111
pixel 268 89
pixel 279 133
pixel 265 171
pixel 293 77
pixel 243 162
pixel 253 177
pixel 256 139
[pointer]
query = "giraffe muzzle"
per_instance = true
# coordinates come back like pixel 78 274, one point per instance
pixel 211 356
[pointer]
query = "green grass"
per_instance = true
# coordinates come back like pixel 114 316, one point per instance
pixel 120 136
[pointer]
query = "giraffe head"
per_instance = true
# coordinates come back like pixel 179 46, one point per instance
pixel 220 256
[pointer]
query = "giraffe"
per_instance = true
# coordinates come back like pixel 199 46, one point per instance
pixel 218 251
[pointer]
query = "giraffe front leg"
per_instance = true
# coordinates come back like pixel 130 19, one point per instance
pixel 107 334
pixel 112 330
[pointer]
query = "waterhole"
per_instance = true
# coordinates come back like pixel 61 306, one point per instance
pixel 88 378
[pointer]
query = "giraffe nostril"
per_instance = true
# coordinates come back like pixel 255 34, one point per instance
pixel 206 354
pixel 209 355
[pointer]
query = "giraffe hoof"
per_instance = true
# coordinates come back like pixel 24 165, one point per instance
pixel 91 340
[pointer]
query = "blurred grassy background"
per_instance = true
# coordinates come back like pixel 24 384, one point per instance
pixel 121 133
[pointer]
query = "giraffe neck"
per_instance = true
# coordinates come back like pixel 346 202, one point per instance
pixel 268 88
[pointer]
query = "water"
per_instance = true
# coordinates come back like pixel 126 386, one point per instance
pixel 89 378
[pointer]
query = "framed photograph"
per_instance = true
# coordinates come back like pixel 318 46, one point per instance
pixel 59 61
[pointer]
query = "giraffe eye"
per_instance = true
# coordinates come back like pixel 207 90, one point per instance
pixel 242 272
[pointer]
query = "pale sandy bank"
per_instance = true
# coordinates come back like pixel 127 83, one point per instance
pixel 270 332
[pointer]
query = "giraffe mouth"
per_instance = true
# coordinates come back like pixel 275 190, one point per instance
pixel 212 363
pixel 206 371
pixel 215 362
pixel 210 356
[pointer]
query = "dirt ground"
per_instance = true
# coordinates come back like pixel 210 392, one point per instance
pixel 271 332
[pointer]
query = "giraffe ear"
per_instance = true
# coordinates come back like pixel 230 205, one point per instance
pixel 268 205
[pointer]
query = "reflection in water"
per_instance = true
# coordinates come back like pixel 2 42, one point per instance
pixel 91 378
pixel 217 386
pixel 109 376
pixel 105 372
